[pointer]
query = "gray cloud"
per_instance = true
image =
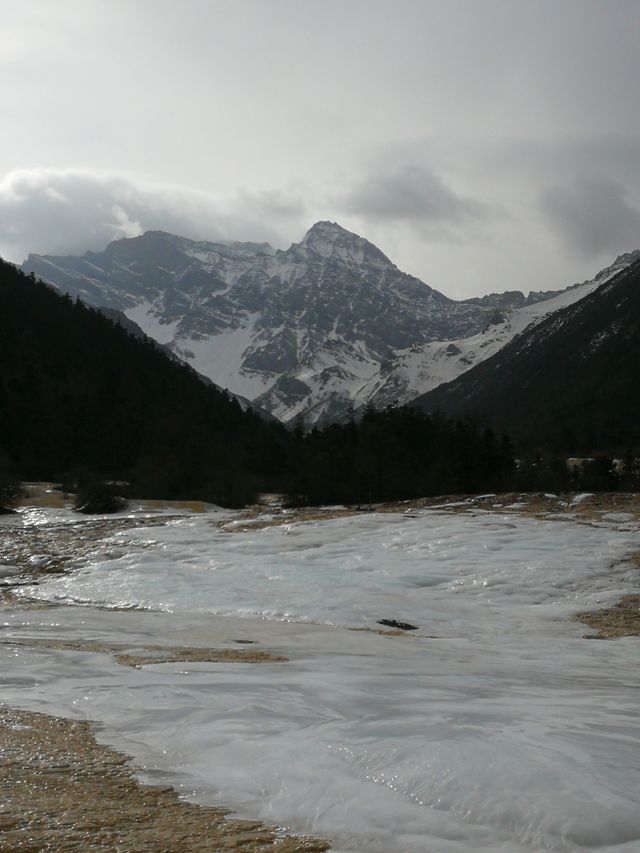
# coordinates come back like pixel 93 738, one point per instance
pixel 593 215
pixel 61 211
pixel 413 194
pixel 556 161
pixel 448 103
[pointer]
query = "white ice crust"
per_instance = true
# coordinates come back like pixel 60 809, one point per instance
pixel 494 727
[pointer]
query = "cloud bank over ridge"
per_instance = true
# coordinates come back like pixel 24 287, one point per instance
pixel 70 211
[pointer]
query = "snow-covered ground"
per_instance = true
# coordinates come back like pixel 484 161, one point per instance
pixel 493 727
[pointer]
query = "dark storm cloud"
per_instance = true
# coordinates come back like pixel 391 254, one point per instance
pixel 593 215
pixel 70 211
pixel 413 194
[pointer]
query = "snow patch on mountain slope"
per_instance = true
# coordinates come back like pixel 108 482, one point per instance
pixel 147 317
pixel 422 368
pixel 221 358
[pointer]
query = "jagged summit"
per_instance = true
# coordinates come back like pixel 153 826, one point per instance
pixel 327 228
pixel 333 241
pixel 330 231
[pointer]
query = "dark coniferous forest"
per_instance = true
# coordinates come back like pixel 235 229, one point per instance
pixel 397 453
pixel 82 398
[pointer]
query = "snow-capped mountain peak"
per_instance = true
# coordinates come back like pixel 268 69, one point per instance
pixel 331 240
pixel 316 330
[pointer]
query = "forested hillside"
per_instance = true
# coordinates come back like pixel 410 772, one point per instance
pixel 80 396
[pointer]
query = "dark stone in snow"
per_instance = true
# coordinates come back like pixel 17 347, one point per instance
pixel 401 626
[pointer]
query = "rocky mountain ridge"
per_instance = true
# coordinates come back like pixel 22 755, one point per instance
pixel 316 330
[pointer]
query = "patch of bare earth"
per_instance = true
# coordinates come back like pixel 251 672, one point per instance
pixel 253 519
pixel 621 620
pixel 589 509
pixel 191 655
pixel 152 654
pixel 62 792
pixel 50 548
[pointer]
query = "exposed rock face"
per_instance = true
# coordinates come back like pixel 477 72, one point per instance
pixel 323 327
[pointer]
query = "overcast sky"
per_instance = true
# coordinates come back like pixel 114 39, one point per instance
pixel 484 145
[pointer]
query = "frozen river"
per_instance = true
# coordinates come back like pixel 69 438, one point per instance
pixel 493 727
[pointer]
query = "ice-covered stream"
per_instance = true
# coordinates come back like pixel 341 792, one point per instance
pixel 494 727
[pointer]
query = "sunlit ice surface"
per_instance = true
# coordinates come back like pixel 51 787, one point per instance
pixel 493 727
